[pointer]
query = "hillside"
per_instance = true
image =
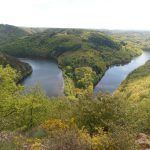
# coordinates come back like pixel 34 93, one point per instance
pixel 35 121
pixel 136 86
pixel 22 68
pixel 139 38
pixel 76 51
pixel 135 91
pixel 9 33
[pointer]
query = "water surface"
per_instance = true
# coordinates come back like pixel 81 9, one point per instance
pixel 116 74
pixel 46 74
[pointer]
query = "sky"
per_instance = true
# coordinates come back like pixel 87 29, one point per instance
pixel 98 14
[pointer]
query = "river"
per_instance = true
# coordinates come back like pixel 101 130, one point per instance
pixel 46 74
pixel 116 74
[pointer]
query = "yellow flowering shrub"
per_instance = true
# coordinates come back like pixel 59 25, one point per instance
pixel 36 146
pixel 28 143
pixel 54 124
pixel 96 142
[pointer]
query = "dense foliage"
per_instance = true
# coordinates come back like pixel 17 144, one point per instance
pixel 136 86
pixel 135 39
pixel 135 90
pixel 8 33
pixel 22 68
pixel 39 122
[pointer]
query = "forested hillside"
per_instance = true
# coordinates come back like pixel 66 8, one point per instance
pixel 136 87
pixel 112 122
pixel 9 33
pixel 141 39
pixel 135 90
pixel 83 55
pixel 23 69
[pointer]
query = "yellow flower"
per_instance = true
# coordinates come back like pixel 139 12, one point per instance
pixel 36 146
pixel 54 124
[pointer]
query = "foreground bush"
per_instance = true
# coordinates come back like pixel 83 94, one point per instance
pixel 88 122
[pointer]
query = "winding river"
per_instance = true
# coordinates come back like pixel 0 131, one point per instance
pixel 116 74
pixel 47 74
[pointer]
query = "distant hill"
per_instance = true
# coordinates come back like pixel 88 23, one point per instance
pixel 9 33
pixel 139 38
pixel 54 42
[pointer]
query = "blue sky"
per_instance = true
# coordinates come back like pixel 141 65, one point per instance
pixel 100 14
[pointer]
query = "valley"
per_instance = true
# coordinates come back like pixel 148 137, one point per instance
pixel 83 55
pixel 62 112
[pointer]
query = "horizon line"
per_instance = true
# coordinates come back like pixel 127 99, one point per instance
pixel 106 29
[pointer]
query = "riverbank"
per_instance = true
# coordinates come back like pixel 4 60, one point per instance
pixel 23 69
pixel 117 58
pixel 116 74
pixel 68 85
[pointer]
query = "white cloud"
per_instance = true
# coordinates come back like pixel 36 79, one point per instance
pixel 110 14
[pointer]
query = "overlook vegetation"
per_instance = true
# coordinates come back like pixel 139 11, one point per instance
pixel 34 121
